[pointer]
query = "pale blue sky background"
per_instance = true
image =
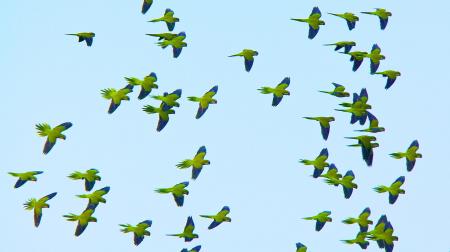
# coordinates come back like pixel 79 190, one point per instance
pixel 253 147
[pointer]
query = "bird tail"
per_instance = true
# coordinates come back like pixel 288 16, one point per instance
pixel 265 90
pixel 306 162
pixel 325 92
pixel 308 218
pixel 150 109
pixel 193 99
pixel 380 189
pixel 13 174
pixel 207 216
pixel 350 221
pixel 348 241
pixel 397 155
pixel 163 190
pixel 184 164
pixel 76 175
pixel 126 228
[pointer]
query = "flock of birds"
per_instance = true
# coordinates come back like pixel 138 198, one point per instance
pixel 382 232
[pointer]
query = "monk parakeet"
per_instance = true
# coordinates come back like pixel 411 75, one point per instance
pixel 410 155
pixel 169 100
pixel 382 14
pixel 95 198
pixel 219 217
pixel 52 134
pixel 37 206
pixel 373 127
pixel 349 17
pixel 367 145
pixel 360 240
pixel 347 45
pixel 168 18
pixel 362 220
pixel 386 237
pixel 324 124
pixel 346 182
pixel 248 55
pixel 204 101
pixel 313 21
pixel 300 247
pixel 89 177
pixel 165 36
pixel 391 77
pixel 146 5
pixel 194 249
pixel 375 57
pixel 394 190
pixel 139 231
pixel 320 219
pixel 332 174
pixel 357 57
pixel 178 191
pixel 196 163
pixel 163 115
pixel 147 84
pixel 278 92
pixel 84 36
pixel 24 177
pixel 188 232
pixel 83 220
pixel 338 91
pixel 116 96
pixel 319 163
pixel 177 44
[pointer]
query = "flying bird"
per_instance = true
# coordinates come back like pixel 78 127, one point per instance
pixel 178 191
pixel 37 206
pixel 313 21
pixel 349 17
pixel 346 182
pixel 204 101
pixel 163 36
pixel 410 155
pixel 95 198
pixel 139 231
pixel 338 91
pixel 52 134
pixel 379 229
pixel 347 45
pixel 169 100
pixel 324 124
pixel 84 36
pixel 24 177
pixel 357 57
pixel 385 237
pixel 168 18
pixel 319 163
pixel 358 108
pixel 219 218
pixel 367 144
pixel 320 219
pixel 116 96
pixel 163 115
pixel 147 84
pixel 196 163
pixel 382 14
pixel 89 177
pixel 394 190
pixel 362 220
pixel 375 57
pixel 248 55
pixel 188 232
pixel 177 44
pixel 83 220
pixel 391 77
pixel 278 92
pixel 332 174
pixel 373 126
pixel 360 240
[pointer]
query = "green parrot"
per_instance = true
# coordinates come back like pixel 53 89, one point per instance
pixel 219 217
pixel 204 101
pixel 394 190
pixel 278 92
pixel 52 134
pixel 332 174
pixel 89 177
pixel 346 182
pixel 338 91
pixel 83 220
pixel 349 17
pixel 169 100
pixel 386 238
pixel 168 18
pixel 197 163
pixel 37 206
pixel 177 44
pixel 347 45
pixel 360 240
pixel 358 108
pixel 147 84
pixel 391 77
pixel 178 191
pixel 300 247
pixel 146 6
pixel 95 198
pixel 163 115
pixel 163 36
pixel 373 127
pixel 84 36
pixel 410 155
pixel 25 177
pixel 324 124
pixel 319 163
pixel 362 220
pixel 320 219
pixel 375 57
pixel 116 96
pixel 313 21
pixel 382 14
pixel 139 231
pixel 188 232
pixel 365 142
pixel 357 57
pixel 379 229
pixel 248 55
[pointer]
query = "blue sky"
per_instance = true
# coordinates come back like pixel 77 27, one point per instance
pixel 254 148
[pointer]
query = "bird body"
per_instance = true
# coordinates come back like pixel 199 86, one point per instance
pixel 37 206
pixel 52 134
pixel 178 191
pixel 313 21
pixel 25 177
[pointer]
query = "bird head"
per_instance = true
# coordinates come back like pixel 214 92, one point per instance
pixel 213 101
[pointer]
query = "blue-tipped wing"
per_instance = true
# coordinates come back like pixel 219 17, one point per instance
pixel 170 26
pixel 196 248
pixel 364 245
pixel 196 172
pixel 338 47
pixel 347 48
pixel 88 185
pixel 325 131
pixel 319 225
pixel 389 83
pixel 19 183
pixel 363 93
pixel 177 51
pixel 80 229
pixel 248 64
pixel 214 224
pixel 89 41
pixel 48 146
pixel 356 64
pixel 143 93
pixel 392 198
pixel 189 222
pixel 347 192
pixel 161 124
pixel 374 67
pixel 323 152
pixel 138 239
pixel 410 164
pixel 37 218
pixel 414 143
pixel 201 111
pixel 383 23
pixel 179 200
pixel 276 100
pixel 351 25
pixel 152 74
pixel 299 245
pixel 113 107
pixel 375 47
pixel 312 32
pixel 202 149
pixel 146 6
pixel 80 39
pixel 317 173
pixel 316 10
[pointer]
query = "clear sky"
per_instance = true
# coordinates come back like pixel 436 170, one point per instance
pixel 254 148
